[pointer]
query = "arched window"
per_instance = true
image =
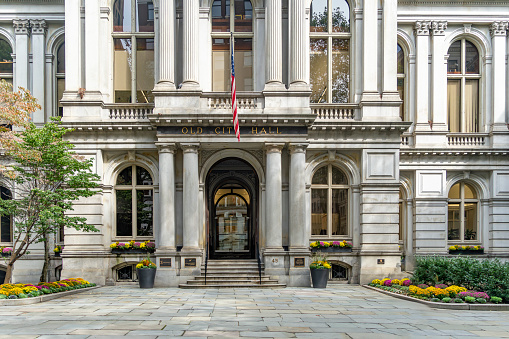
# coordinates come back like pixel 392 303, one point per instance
pixel 60 78
pixel 401 81
pixel 329 202
pixel 133 38
pixel 462 213
pixel 6 220
pixel 463 74
pixel 232 22
pixel 134 196
pixel 6 69
pixel 330 51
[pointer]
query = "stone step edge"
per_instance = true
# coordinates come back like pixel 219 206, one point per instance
pixel 463 306
pixel 43 298
pixel 219 282
pixel 233 286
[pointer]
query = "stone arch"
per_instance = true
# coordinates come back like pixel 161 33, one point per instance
pixel 55 40
pixel 478 184
pixel 477 37
pixel 120 162
pixel 232 153
pixel 121 265
pixel 405 41
pixel 341 161
pixel 10 39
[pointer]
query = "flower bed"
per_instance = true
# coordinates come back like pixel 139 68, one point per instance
pixel 133 247
pixel 440 293
pixel 6 251
pixel 468 250
pixel 22 291
pixel 332 246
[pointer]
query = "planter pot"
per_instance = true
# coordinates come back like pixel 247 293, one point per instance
pixel 332 249
pixel 146 277
pixel 5 255
pixel 319 277
pixel 129 251
pixel 57 254
pixel 466 252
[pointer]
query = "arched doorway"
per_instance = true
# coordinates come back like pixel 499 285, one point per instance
pixel 232 210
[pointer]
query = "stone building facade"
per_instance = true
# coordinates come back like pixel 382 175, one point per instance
pixel 383 123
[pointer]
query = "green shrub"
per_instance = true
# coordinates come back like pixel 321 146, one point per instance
pixel 458 300
pixel 481 300
pixel 446 300
pixel 22 296
pixel 45 291
pixel 470 300
pixel 496 300
pixel 437 300
pixel 34 293
pixel 3 296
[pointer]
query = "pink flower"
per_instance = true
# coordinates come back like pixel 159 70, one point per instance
pixel 406 283
pixel 151 244
pixel 388 282
pixel 6 250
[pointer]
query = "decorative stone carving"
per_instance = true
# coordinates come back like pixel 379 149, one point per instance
pixel 297 148
pixel 166 148
pixel 422 27
pixel 438 27
pixel 21 26
pixel 190 148
pixel 38 26
pixel 499 28
pixel 274 148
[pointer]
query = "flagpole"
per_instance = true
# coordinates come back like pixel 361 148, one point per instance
pixel 234 90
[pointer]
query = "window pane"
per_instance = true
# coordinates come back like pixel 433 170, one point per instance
pixel 454 61
pixel 400 220
pixel 142 176
pixel 145 70
pixel 243 64
pixel 60 93
pixel 319 211
pixel 401 60
pixel 401 91
pixel 471 118
pixel 320 177
pixel 469 192
pixel 124 213
pixel 453 220
pixel 144 16
pixel 339 211
pixel 454 193
pixel 338 177
pixel 125 177
pixel 340 16
pixel 122 16
pixel 61 59
pixel 144 212
pixel 221 65
pixel 61 234
pixel 453 104
pixel 221 16
pixel 6 220
pixel 318 70
pixel 470 221
pixel 5 57
pixel 471 58
pixel 243 16
pixel 318 21
pixel 122 70
pixel 340 70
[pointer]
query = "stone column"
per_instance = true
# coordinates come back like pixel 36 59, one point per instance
pixel 190 198
pixel 421 30
pixel 439 74
pixel 166 46
pixel 273 45
pixel 92 42
pixel 390 41
pixel 273 193
pixel 370 51
pixel 498 32
pixel 21 29
pixel 299 234
pixel 39 29
pixel 191 17
pixel 167 196
pixel 73 76
pixel 299 47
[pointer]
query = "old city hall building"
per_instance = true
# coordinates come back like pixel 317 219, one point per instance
pixel 379 122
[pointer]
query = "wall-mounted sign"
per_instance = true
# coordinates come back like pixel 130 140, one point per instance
pixel 190 262
pixel 380 261
pixel 228 130
pixel 299 262
pixel 164 262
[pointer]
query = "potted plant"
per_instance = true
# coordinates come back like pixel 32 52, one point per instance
pixel 468 250
pixel 6 251
pixel 146 271
pixel 319 271
pixel 57 250
pixel 133 247
pixel 332 246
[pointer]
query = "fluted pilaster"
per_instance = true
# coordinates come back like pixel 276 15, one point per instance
pixel 299 48
pixel 191 16
pixel 421 30
pixel 166 45
pixel 439 74
pixel 498 32
pixel 22 30
pixel 39 29
pixel 190 209
pixel 273 45
pixel 167 196
pixel 298 233
pixel 273 206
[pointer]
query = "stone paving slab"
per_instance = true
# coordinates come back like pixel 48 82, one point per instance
pixel 342 311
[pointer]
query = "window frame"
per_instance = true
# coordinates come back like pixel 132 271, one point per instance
pixel 58 76
pixel 330 187
pixel 9 77
pixel 11 220
pixel 134 211
pixel 330 36
pixel 403 109
pixel 462 201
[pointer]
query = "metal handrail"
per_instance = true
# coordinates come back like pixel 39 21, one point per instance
pixel 206 259
pixel 259 262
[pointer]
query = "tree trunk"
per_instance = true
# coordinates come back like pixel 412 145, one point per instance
pixel 44 273
pixel 8 273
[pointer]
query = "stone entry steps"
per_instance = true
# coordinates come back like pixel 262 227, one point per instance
pixel 232 274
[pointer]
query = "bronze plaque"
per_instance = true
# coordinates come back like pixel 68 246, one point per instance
pixel 190 262
pixel 164 262
pixel 380 261
pixel 299 262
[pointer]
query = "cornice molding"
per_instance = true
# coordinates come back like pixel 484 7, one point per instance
pixel 453 2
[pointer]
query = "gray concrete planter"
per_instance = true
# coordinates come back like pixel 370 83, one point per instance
pixel 146 277
pixel 319 277
pixel 466 252
pixel 332 250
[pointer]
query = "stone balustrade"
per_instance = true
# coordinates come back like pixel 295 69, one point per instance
pixel 467 139
pixel 129 111
pixel 334 111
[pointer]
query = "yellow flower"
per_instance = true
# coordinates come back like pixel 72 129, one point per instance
pixel 453 248
pixel 376 282
pixel 326 265
pixel 114 245
pixel 143 245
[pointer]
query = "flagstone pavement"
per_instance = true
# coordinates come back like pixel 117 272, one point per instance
pixel 340 311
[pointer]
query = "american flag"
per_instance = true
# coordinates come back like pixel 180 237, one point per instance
pixel 234 98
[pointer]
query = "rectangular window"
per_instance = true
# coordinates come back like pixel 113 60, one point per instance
pixel 340 70
pixel 145 70
pixel 243 57
pixel 454 105
pixel 144 212
pixel 60 93
pixel 319 211
pixel 471 123
pixel 318 70
pixel 454 222
pixel 339 211
pixel 123 60
pixel 221 65
pixel 470 221
pixel 6 229
pixel 124 213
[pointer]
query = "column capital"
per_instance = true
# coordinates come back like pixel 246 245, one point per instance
pixel 166 147
pixel 21 26
pixel 274 147
pixel 438 28
pixel 498 28
pixel 38 26
pixel 298 148
pixel 190 147
pixel 422 27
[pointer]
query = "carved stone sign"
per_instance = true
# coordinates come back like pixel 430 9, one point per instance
pixel 228 130
pixel 299 262
pixel 164 262
pixel 190 262
pixel 380 261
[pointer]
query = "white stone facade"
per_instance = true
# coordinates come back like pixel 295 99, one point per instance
pixel 398 171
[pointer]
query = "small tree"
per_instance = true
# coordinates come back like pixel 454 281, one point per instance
pixel 46 178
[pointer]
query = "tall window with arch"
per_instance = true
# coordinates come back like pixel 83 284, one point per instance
pixel 133 40
pixel 6 220
pixel 6 63
pixel 60 78
pixel 134 196
pixel 462 213
pixel 329 202
pixel 232 28
pixel 463 76
pixel 330 51
pixel 401 81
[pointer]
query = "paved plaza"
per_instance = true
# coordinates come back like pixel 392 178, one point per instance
pixel 340 311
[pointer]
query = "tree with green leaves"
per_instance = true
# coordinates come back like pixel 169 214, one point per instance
pixel 45 177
